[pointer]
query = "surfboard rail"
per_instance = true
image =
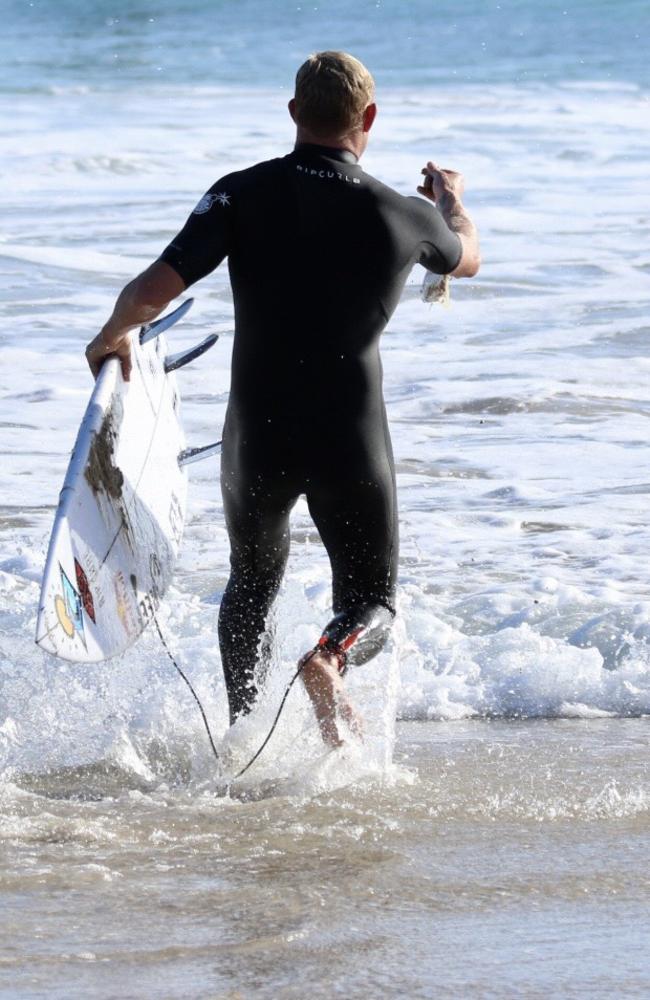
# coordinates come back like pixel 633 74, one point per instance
pixel 120 517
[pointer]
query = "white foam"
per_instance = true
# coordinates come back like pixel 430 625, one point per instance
pixel 74 259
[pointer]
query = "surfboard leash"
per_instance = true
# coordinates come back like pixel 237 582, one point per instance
pixel 293 680
pixel 324 643
pixel 194 694
pixel 303 663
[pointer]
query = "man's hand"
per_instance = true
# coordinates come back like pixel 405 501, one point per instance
pixel 110 343
pixel 438 183
pixel 445 189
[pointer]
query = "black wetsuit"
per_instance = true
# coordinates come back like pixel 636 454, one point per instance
pixel 318 253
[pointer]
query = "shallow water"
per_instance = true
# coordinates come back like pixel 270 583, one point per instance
pixel 497 859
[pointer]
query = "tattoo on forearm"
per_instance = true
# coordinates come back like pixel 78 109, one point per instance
pixel 455 216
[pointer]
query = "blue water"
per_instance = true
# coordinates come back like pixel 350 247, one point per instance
pixel 251 42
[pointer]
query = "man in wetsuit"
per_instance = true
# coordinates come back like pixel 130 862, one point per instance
pixel 318 254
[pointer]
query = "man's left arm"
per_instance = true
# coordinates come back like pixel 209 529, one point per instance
pixel 445 189
pixel 138 303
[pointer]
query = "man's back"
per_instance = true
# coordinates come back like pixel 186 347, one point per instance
pixel 318 253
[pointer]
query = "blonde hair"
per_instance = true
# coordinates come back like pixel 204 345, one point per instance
pixel 333 89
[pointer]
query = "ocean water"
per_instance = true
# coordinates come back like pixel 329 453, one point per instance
pixel 490 837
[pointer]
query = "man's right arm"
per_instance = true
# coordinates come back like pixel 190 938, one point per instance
pixel 138 303
pixel 200 246
pixel 445 188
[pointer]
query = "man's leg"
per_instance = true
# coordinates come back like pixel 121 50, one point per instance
pixel 257 518
pixel 357 521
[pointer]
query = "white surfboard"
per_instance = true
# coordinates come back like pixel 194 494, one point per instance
pixel 121 512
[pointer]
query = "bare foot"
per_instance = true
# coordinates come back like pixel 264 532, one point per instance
pixel 324 685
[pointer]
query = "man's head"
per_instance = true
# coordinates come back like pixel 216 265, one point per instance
pixel 334 101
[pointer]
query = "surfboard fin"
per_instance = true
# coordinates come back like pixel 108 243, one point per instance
pixel 158 326
pixel 174 361
pixel 190 455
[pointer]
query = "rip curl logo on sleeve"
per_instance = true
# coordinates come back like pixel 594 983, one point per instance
pixel 210 199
